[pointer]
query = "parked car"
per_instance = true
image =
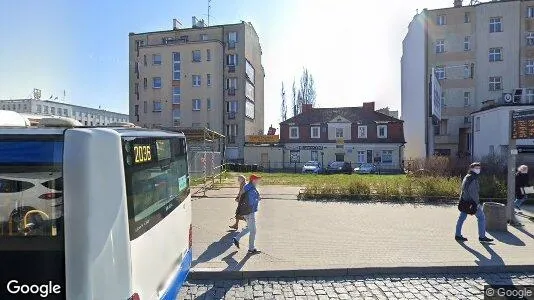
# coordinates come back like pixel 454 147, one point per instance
pixel 366 169
pixel 311 167
pixel 339 167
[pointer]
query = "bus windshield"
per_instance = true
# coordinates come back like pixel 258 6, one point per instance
pixel 31 186
pixel 156 180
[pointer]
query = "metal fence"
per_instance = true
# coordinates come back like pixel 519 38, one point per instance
pixel 204 164
pixel 296 167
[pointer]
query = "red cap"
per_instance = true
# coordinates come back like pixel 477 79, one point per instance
pixel 254 177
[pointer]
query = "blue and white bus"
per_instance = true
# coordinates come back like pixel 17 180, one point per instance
pixel 93 212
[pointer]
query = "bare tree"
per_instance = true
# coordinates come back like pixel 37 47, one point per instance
pixel 295 100
pixel 283 109
pixel 307 89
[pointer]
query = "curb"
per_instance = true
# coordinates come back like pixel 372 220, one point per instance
pixel 225 275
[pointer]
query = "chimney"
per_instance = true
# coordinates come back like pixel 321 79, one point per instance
pixel 369 106
pixel 176 24
pixel 457 3
pixel 306 108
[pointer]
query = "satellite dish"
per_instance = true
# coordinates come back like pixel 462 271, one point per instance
pixel 508 98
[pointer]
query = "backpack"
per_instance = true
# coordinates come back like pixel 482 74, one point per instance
pixel 243 207
pixel 467 206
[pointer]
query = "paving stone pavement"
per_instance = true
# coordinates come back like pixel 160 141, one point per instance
pixel 423 286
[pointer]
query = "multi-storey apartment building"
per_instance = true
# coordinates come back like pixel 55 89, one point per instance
pixel 479 52
pixel 86 115
pixel 204 76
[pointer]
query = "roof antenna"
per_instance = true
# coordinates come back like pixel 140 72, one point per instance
pixel 209 7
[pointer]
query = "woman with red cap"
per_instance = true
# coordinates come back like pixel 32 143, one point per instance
pixel 248 209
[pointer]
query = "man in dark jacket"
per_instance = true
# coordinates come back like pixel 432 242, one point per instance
pixel 521 181
pixel 470 191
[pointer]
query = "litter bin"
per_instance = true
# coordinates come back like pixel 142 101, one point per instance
pixel 495 216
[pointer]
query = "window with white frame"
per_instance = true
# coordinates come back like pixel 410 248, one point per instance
pixel 495 83
pixel 208 79
pixel 249 70
pixel 362 132
pixel 156 59
pixel 196 55
pixel 293 132
pixel 440 72
pixel 231 59
pixel 530 38
pixel 467 98
pixel 387 156
pixel 529 94
pixel 157 106
pixel 156 82
pixel 440 46
pixel 495 24
pixel 529 67
pixel 196 104
pixel 339 132
pixel 231 106
pixel 477 124
pixel 232 37
pixel 196 80
pixel 362 157
pixel 231 83
pixel 315 132
pixel 467 43
pixel 175 95
pixel 382 131
pixel 249 90
pixel 467 71
pixel 176 68
pixel 467 17
pixel 441 20
pixel 204 37
pixel 495 54
pixel 530 12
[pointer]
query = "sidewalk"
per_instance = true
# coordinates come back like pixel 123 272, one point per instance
pixel 306 236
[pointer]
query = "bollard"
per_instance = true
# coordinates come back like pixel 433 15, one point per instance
pixel 495 216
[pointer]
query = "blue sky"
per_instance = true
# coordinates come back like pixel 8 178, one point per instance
pixel 352 48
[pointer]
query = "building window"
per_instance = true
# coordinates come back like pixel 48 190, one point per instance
pixel 440 72
pixel 204 37
pixel 249 109
pixel 176 114
pixel 529 67
pixel 196 104
pixel 495 54
pixel 495 83
pixel 231 59
pixel 467 71
pixel 208 79
pixel 382 131
pixel 176 95
pixel 314 155
pixel 387 156
pixel 249 90
pixel 362 132
pixel 315 132
pixel 145 107
pixel 231 133
pixel 441 20
pixel 249 70
pixel 208 104
pixel 45 109
pixel 467 17
pixel 232 37
pixel 52 110
pixel 339 133
pixel 294 156
pixel 39 108
pixel 440 46
pixel 477 124
pixel 231 106
pixel 176 67
pixel 208 54
pixel 157 106
pixel 66 112
pixel 362 157
pixel 231 83
pixel 467 99
pixel 145 83
pixel 136 90
pixel 144 60
pixel 495 24
pixel 156 59
pixel 293 132
pixel 196 55
pixel 196 80
pixel 530 38
pixel 530 12
pixel 529 94
pixel 136 110
pixel 467 43
pixel 156 82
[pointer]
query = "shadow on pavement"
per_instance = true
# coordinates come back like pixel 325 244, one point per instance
pixel 215 249
pixel 507 238
pixel 524 231
pixel 494 260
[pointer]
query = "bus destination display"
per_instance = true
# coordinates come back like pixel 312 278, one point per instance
pixel 523 124
pixel 143 153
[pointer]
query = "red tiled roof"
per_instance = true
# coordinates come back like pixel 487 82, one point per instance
pixel 353 114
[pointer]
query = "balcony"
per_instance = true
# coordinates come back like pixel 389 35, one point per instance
pixel 231 68
pixel 231 115
pixel 231 92
pixel 230 139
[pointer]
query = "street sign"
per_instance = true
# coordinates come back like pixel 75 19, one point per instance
pixel 523 124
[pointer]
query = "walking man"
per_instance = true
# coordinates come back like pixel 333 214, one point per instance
pixel 248 210
pixel 470 192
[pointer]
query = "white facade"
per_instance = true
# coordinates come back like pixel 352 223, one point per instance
pixel 85 115
pixel 491 131
pixel 413 86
